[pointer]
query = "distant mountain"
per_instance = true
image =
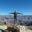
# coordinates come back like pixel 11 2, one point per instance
pixel 10 19
pixel 7 18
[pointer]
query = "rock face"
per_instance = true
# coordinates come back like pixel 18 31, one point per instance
pixel 12 29
pixel 24 28
pixel 3 27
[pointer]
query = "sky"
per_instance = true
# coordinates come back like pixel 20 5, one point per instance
pixel 21 6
